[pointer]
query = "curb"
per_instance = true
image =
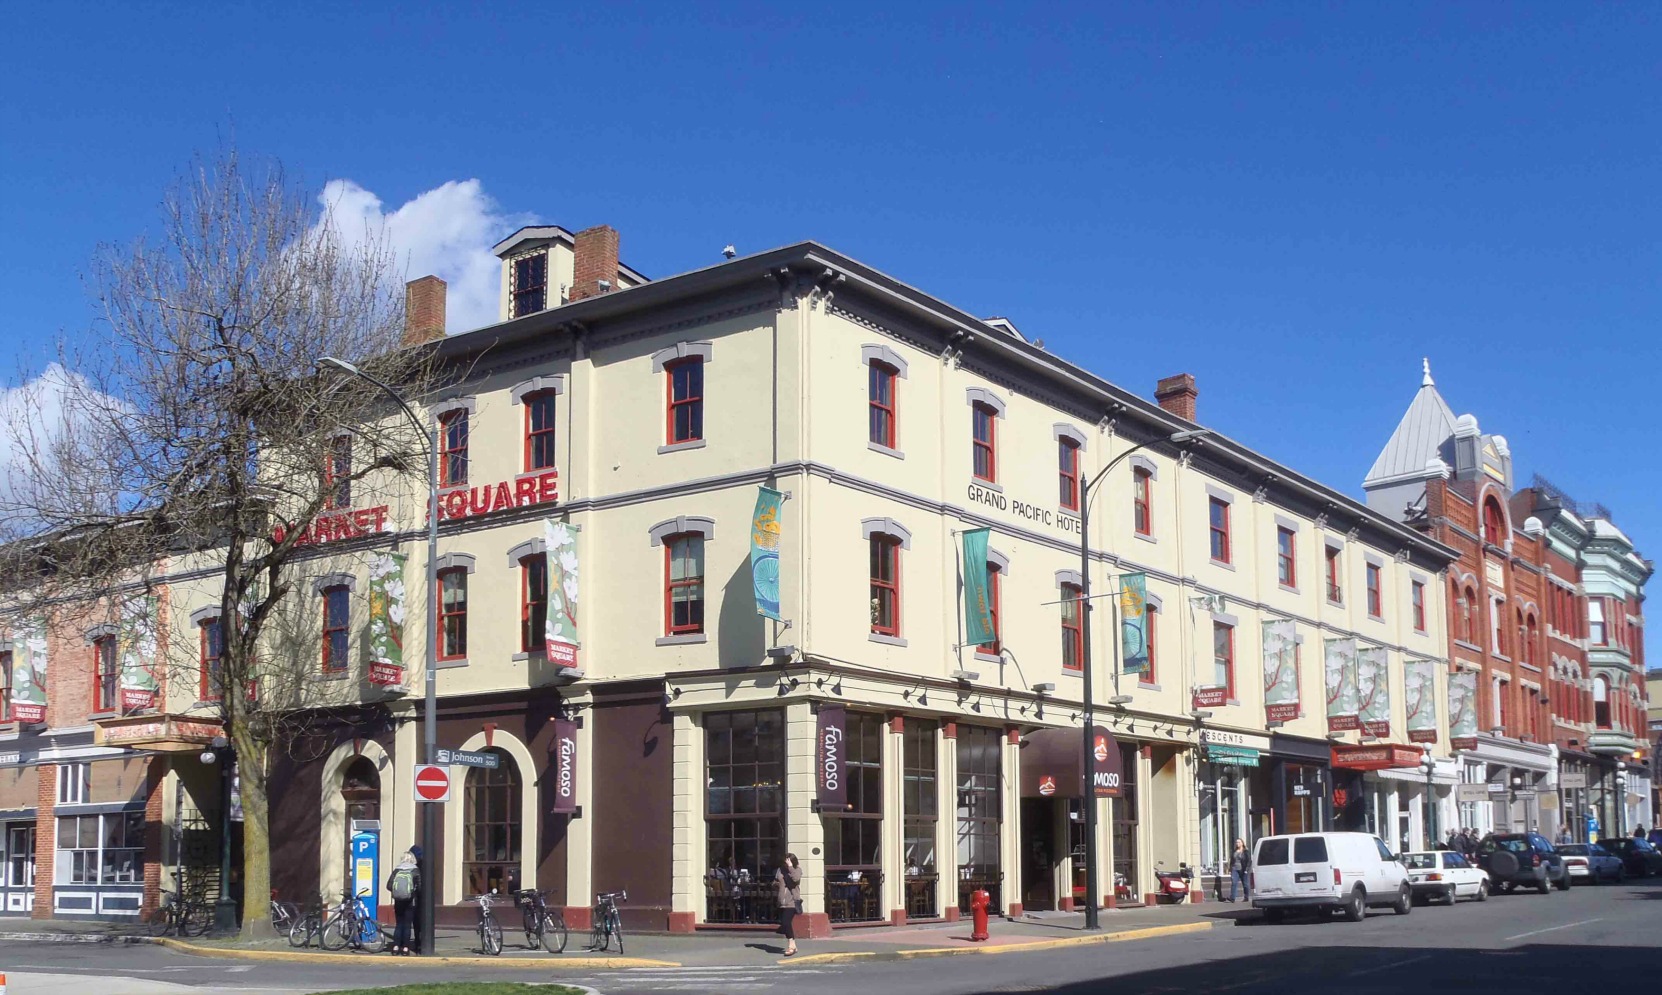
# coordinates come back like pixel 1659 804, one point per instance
pixel 555 962
pixel 19 936
pixel 1146 933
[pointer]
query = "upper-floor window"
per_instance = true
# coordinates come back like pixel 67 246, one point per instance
pixel 1497 626
pixel 453 430
pixel 1223 657
pixel 1494 522
pixel 1073 628
pixel 74 783
pixel 453 614
pixel 1503 704
pixel 212 660
pixel 337 473
pixel 1149 672
pixel 1067 464
pixel 1596 631
pixel 533 602
pixel 1468 615
pixel 993 575
pixel 1335 590
pixel 880 390
pixel 1218 526
pixel 686 399
pixel 1376 598
pixel 105 674
pixel 1532 636
pixel 539 430
pixel 1142 496
pixel 983 422
pixel 6 689
pixel 885 585
pixel 1286 556
pixel 530 284
pixel 1416 597
pixel 684 584
pixel 337 611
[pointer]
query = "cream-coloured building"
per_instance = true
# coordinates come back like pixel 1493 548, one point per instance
pixel 675 752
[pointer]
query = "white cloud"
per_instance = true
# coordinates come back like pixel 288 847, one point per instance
pixel 447 231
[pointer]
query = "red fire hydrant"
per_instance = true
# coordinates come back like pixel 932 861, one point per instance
pixel 979 901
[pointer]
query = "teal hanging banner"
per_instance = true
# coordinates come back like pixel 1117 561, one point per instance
pixel 764 552
pixel 1134 623
pixel 978 604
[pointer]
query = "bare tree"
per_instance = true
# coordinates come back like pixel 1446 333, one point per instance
pixel 193 426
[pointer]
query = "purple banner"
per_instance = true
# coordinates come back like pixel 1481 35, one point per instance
pixel 565 767
pixel 831 759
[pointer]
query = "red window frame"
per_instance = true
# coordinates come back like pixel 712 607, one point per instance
pixel 6 691
pixel 1503 692
pixel 885 560
pixel 984 451
pixel 337 618
pixel 453 440
pixel 1073 628
pixel 995 647
pixel 1228 658
pixel 1067 467
pixel 540 440
pixel 1494 522
pixel 1142 501
pixel 1474 620
pixel 883 421
pixel 533 603
pixel 671 586
pixel 337 473
pixel 685 395
pixel 211 659
pixel 1376 597
pixel 106 673
pixel 1335 590
pixel 452 610
pixel 1148 676
pixel 1417 599
pixel 1286 556
pixel 526 290
pixel 1217 523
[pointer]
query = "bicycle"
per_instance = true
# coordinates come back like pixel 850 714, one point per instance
pixel 490 931
pixel 283 914
pixel 607 923
pixel 186 917
pixel 351 925
pixel 545 927
pixel 307 926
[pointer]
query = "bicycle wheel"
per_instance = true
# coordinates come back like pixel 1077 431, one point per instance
pixel 336 933
pixel 554 932
pixel 490 937
pixel 373 936
pixel 159 921
pixel 282 918
pixel 300 933
pixel 533 930
pixel 614 926
pixel 597 934
pixel 197 919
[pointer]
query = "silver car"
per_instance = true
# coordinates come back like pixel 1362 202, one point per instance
pixel 1591 862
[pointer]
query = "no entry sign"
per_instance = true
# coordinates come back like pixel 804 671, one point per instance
pixel 432 783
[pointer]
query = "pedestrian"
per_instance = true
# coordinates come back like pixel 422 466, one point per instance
pixel 416 925
pixel 402 885
pixel 787 886
pixel 1453 841
pixel 1240 864
pixel 1638 832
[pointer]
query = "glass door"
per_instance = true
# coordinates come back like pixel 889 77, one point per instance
pixel 20 856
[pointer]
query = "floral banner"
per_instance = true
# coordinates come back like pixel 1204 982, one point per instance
pixel 1373 689
pixel 1462 710
pixel 1134 623
pixel 764 552
pixel 1280 671
pixel 388 608
pixel 1339 666
pixel 29 672
pixel 1420 696
pixel 137 649
pixel 560 635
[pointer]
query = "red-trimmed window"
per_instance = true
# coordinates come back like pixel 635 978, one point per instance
pixel 1335 590
pixel 337 611
pixel 1286 557
pixel 453 614
pixel 993 648
pixel 684 584
pixel 105 674
pixel 1067 464
pixel 1223 657
pixel 1494 523
pixel 1503 704
pixel 984 429
pixel 533 602
pixel 212 660
pixel 337 474
pixel 685 378
pixel 1142 496
pixel 880 388
pixel 1417 599
pixel 539 430
pixel 453 430
pixel 530 284
pixel 1376 599
pixel 1073 629
pixel 1470 614
pixel 6 691
pixel 1218 525
pixel 885 585
pixel 1149 676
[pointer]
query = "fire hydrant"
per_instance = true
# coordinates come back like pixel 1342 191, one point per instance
pixel 979 901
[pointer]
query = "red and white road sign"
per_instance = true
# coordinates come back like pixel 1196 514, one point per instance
pixel 432 783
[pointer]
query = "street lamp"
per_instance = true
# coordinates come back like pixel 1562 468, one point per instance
pixel 1429 765
pixel 429 810
pixel 1621 799
pixel 1089 802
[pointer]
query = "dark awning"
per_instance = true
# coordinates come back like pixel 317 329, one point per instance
pixel 1053 764
pixel 1382 757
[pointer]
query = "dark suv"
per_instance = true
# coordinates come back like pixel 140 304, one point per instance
pixel 1525 860
pixel 1637 855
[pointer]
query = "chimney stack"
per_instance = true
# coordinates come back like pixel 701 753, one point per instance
pixel 594 271
pixel 423 310
pixel 1177 394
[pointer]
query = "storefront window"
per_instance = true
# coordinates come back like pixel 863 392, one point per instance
pixel 854 858
pixel 1223 806
pixel 1124 809
pixel 921 799
pixel 979 814
pixel 744 815
pixel 1304 798
pixel 490 850
pixel 101 849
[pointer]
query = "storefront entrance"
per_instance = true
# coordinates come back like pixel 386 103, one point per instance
pixel 19 874
pixel 1039 855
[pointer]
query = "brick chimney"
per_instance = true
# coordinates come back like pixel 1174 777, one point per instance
pixel 1177 394
pixel 423 310
pixel 596 252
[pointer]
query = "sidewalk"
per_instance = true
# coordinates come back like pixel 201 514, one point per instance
pixel 1034 932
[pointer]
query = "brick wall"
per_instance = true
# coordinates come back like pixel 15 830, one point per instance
pixel 46 839
pixel 595 251
pixel 155 772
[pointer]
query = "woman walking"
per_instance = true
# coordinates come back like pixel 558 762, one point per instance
pixel 787 886
pixel 1240 864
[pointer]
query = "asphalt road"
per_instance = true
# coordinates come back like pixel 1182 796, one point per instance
pixel 1605 940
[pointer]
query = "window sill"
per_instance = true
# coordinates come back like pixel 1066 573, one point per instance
pixel 10 730
pixel 1470 646
pixel 683 639
pixel 990 485
pixel 332 675
pixel 885 639
pixel 1144 536
pixel 1225 564
pixel 985 657
pixel 104 713
pixel 1143 686
pixel 677 447
pixel 878 447
pixel 1335 602
pixel 455 664
pixel 1289 588
pixel 525 656
pixel 1375 618
pixel 1078 672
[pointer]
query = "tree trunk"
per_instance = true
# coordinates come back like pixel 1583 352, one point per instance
pixel 256 838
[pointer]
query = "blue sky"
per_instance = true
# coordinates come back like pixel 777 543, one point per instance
pixel 1293 202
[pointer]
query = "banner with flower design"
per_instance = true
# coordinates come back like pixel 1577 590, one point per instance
pixel 1373 688
pixel 29 672
pixel 1339 663
pixel 1280 670
pixel 561 638
pixel 388 608
pixel 1420 694
pixel 137 649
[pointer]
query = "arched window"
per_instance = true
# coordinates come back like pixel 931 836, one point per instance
pixel 360 790
pixel 1601 702
pixel 1532 639
pixel 1494 522
pixel 491 830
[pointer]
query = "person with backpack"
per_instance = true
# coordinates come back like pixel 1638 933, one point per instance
pixel 404 885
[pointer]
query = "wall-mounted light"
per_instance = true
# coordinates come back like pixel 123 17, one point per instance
pixel 966 676
pixel 1044 688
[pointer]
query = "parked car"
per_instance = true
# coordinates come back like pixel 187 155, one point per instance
pixel 1525 860
pixel 1322 872
pixel 1638 856
pixel 1444 875
pixel 1592 862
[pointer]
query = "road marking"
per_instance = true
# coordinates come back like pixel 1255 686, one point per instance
pixel 1554 929
pixel 1388 967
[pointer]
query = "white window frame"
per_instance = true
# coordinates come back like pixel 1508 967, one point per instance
pixel 64 864
pixel 74 783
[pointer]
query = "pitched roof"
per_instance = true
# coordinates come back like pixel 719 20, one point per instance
pixel 1421 434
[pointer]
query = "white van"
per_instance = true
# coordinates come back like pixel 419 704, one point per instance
pixel 1322 871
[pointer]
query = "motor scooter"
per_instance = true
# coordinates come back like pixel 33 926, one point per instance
pixel 1173 885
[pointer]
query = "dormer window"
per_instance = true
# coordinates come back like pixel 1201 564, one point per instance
pixel 530 290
